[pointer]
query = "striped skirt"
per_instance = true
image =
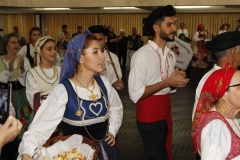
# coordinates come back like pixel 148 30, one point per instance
pixel 22 108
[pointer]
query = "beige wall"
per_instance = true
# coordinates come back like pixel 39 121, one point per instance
pixel 105 3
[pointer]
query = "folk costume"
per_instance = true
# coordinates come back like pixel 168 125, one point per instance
pixel 79 111
pixel 108 66
pixel 218 43
pixel 149 65
pixel 18 96
pixel 30 52
pixel 40 81
pixel 215 136
pixel 199 59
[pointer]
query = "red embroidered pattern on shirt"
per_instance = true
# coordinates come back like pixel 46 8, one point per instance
pixel 105 69
pixel 109 62
pixel 162 75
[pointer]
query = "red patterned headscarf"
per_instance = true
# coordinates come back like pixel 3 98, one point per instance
pixel 213 89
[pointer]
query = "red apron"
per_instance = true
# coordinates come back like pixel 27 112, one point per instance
pixel 155 108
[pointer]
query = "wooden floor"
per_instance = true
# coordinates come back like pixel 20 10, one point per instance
pixel 130 143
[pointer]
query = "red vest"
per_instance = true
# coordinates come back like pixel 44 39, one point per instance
pixel 213 115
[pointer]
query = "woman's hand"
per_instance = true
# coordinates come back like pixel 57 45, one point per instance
pixel 110 139
pixel 9 130
pixel 26 157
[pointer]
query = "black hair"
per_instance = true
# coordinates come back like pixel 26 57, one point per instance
pixel 79 27
pixel 64 26
pixel 98 29
pixel 167 13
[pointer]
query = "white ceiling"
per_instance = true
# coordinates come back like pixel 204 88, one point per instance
pixel 101 10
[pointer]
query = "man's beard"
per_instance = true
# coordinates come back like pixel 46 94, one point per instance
pixel 165 37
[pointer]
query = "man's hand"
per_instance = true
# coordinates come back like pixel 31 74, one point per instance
pixel 118 85
pixel 183 73
pixel 177 79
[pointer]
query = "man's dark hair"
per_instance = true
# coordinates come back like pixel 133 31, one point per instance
pixel 64 26
pixel 168 13
pixel 79 27
pixel 98 29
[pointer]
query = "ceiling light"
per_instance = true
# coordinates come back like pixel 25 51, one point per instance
pixel 120 8
pixel 191 7
pixel 52 8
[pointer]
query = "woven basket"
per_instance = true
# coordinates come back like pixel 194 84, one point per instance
pixel 86 140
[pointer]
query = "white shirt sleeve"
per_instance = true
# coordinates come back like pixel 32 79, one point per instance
pixel 195 38
pixel 44 123
pixel 118 68
pixel 215 141
pixel 57 60
pixel 4 76
pixel 31 88
pixel 186 34
pixel 27 66
pixel 116 108
pixel 23 51
pixel 60 35
pixel 136 82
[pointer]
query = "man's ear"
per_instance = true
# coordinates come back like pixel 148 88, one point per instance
pixel 233 52
pixel 156 28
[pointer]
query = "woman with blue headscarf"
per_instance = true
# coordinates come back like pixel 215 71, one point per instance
pixel 83 103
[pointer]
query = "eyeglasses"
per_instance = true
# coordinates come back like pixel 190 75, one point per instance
pixel 235 85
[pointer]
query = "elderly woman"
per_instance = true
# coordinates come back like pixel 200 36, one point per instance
pixel 29 50
pixel 215 129
pixel 83 103
pixel 13 69
pixel 224 28
pixel 41 79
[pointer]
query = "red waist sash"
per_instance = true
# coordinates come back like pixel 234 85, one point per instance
pixel 153 108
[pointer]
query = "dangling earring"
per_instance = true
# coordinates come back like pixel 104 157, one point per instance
pixel 81 68
pixel 223 107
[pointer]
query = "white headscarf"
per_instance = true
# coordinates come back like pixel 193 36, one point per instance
pixel 39 44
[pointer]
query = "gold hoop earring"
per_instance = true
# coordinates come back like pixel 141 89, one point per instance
pixel 223 107
pixel 81 68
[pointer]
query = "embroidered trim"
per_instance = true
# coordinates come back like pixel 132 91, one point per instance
pixel 86 122
pixel 44 79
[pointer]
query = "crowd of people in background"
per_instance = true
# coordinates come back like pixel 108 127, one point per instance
pixel 92 62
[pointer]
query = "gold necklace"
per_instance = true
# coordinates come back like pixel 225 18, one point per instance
pixel 79 113
pixel 50 78
pixel 93 96
pixel 236 125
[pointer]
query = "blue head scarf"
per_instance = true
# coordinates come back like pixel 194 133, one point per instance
pixel 72 56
